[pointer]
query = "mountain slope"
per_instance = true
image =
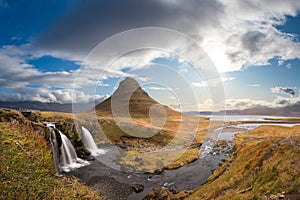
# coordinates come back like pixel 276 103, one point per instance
pixel 130 95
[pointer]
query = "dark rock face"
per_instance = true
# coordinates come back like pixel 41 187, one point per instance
pixel 34 117
pixel 137 188
pixel 68 128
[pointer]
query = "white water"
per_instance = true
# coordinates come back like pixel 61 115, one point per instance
pixel 68 156
pixel 89 143
pixel 65 157
pixel 207 146
pixel 261 118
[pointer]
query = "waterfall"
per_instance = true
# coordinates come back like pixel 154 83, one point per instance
pixel 89 143
pixel 64 154
pixel 54 145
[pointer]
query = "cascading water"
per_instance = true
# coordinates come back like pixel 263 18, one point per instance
pixel 64 154
pixel 54 145
pixel 89 143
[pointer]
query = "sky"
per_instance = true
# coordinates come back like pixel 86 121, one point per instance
pixel 197 55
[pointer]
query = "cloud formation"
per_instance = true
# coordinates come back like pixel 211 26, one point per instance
pixel 241 104
pixel 234 33
pixel 26 83
pixel 254 85
pixel 289 91
pixel 47 96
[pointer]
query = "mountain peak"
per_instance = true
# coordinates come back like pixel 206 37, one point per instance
pixel 130 94
pixel 129 80
pixel 128 84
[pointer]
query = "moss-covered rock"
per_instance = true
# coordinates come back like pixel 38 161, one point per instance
pixel 68 128
pixel 8 115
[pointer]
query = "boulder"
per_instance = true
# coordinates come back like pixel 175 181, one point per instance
pixel 137 188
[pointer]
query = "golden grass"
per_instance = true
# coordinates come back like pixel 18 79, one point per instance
pixel 56 116
pixel 27 171
pixel 266 161
pixel 152 162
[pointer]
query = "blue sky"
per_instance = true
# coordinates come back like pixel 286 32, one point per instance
pixel 45 49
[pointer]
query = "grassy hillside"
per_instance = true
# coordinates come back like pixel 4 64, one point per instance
pixel 26 170
pixel 265 164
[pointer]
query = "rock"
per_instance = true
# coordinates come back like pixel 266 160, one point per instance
pixel 221 143
pixel 8 115
pixel 282 195
pixel 273 197
pixel 161 193
pixel 137 188
pixel 89 158
pixel 158 171
pixel 139 160
pixel 32 116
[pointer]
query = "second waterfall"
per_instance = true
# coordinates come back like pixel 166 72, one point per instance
pixel 89 142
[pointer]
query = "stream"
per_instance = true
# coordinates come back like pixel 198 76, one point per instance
pixel 116 184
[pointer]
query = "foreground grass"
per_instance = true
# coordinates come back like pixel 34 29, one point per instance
pixel 266 162
pixel 26 170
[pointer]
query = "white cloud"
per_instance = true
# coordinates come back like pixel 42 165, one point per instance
pixel 234 33
pixel 283 90
pixel 224 79
pixel 212 82
pixel 158 88
pixel 201 84
pixel 254 85
pixel 46 95
pixel 241 104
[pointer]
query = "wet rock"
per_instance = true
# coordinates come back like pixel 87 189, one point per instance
pixel 155 172
pixel 161 193
pixel 137 188
pixel 89 158
pixel 221 143
pixel 68 128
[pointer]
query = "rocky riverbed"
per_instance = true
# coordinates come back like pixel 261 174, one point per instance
pixel 106 176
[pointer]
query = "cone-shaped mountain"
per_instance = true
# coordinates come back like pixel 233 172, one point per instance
pixel 130 95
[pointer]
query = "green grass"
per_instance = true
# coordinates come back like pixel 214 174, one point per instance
pixel 27 171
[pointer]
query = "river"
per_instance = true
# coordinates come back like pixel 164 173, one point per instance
pixel 108 180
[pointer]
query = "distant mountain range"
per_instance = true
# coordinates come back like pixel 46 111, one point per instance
pixel 54 107
pixel 289 111
pixel 129 93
